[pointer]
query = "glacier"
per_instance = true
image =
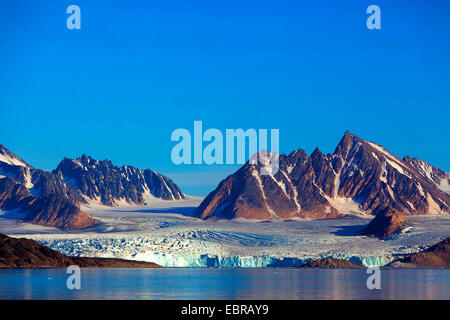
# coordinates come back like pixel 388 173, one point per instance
pixel 163 233
pixel 136 249
pixel 208 261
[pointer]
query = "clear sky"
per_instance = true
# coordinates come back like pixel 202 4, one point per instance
pixel 118 87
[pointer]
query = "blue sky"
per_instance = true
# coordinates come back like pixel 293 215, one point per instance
pixel 118 87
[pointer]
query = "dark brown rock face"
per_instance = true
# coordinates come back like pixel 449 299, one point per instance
pixel 53 210
pixel 331 263
pixel 14 195
pixel 359 177
pixel 86 262
pixel 437 256
pixel 59 212
pixel 385 224
pixel 25 253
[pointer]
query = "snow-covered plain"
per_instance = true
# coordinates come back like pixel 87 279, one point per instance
pixel 166 233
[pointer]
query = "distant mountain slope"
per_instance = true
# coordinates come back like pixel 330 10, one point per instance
pixel 38 182
pixel 10 158
pixel 40 196
pixel 434 175
pixel 359 177
pixel 108 183
pixel 53 198
pixel 52 210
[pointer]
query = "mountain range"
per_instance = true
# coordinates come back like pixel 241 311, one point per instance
pixel 360 177
pixel 54 198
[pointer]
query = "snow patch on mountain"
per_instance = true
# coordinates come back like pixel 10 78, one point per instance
pixel 2 174
pixel 346 205
pixel 28 184
pixel 255 173
pixel 9 159
pixel 293 188
pixel 445 185
pixel 392 160
pixel 165 185
pixel 433 207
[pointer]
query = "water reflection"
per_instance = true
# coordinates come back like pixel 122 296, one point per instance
pixel 289 284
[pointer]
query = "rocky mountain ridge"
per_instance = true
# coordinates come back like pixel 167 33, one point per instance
pixel 108 183
pixel 54 198
pixel 360 177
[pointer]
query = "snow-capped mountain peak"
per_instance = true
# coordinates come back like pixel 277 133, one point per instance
pixel 103 181
pixel 10 158
pixel 359 177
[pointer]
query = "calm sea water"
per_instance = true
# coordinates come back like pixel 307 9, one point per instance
pixel 224 284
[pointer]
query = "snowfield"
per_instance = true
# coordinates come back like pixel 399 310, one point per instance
pixel 165 232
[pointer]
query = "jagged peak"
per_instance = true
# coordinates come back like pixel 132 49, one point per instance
pixel 128 168
pixel 297 152
pixel 346 143
pixel 424 166
pixel 10 158
pixel 408 158
pixel 316 153
pixel 89 160
pixel 347 133
pixel 295 157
